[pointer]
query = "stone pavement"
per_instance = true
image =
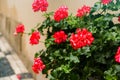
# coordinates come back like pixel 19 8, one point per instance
pixel 11 67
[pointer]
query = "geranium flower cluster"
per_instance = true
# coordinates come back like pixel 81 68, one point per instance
pixel 40 5
pixel 59 37
pixel 83 11
pixel 38 65
pixel 105 2
pixel 34 38
pixel 19 29
pixel 117 55
pixel 82 38
pixel 61 13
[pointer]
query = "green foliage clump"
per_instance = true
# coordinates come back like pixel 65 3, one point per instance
pixel 89 62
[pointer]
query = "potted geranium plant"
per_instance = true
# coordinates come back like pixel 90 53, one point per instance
pixel 84 46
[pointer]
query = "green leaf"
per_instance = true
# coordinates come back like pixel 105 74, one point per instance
pixel 57 53
pixel 48 14
pixel 117 68
pixel 85 51
pixel 118 4
pixel 51 77
pixel 97 6
pixel 36 55
pixel 110 74
pixel 74 59
pixel 65 68
pixel 74 76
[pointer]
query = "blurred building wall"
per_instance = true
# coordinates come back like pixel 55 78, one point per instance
pixel 13 12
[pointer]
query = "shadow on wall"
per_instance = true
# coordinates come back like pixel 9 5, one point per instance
pixel 8 24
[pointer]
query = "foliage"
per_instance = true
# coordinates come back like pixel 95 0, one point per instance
pixel 93 61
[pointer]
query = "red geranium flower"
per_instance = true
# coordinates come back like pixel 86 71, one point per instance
pixel 80 13
pixel 40 5
pixel 117 55
pixel 19 29
pixel 86 9
pixel 105 1
pixel 83 11
pixel 119 18
pixel 19 76
pixel 60 37
pixel 38 65
pixel 81 39
pixel 61 13
pixel 34 38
